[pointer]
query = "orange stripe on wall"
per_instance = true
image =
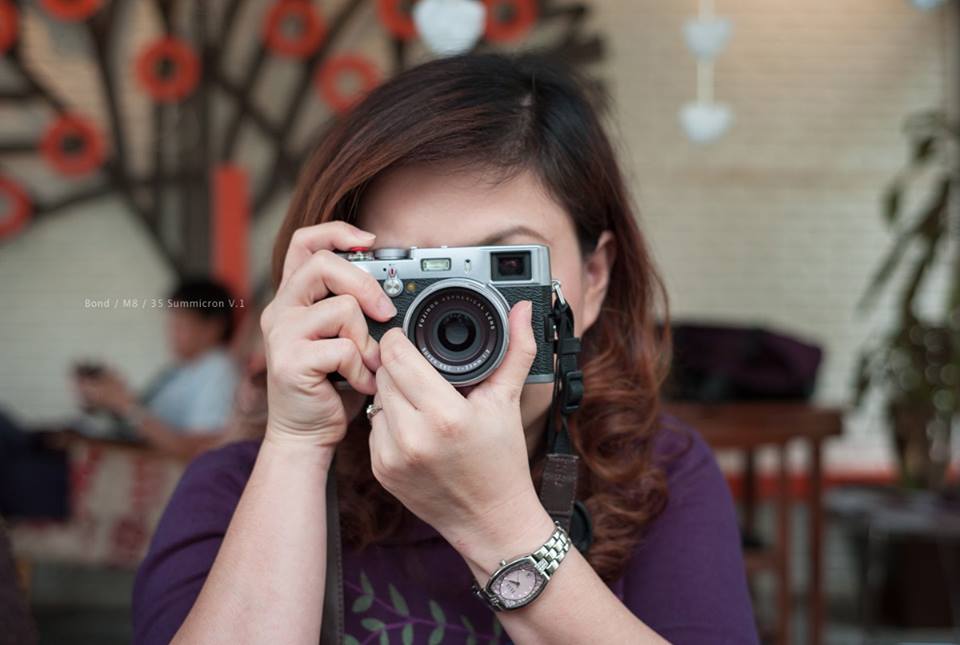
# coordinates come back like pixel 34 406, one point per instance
pixel 231 227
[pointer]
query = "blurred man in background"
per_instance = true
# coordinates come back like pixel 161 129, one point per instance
pixel 181 413
pixel 185 409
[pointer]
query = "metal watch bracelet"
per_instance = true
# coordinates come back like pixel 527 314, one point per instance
pixel 518 582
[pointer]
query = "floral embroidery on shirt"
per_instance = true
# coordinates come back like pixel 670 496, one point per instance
pixel 394 620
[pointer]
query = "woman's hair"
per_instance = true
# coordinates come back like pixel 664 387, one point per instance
pixel 515 113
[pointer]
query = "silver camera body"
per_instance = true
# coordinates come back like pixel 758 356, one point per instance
pixel 453 302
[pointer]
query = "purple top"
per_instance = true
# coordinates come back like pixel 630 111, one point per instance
pixel 685 579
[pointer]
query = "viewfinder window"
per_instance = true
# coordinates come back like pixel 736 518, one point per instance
pixel 510 266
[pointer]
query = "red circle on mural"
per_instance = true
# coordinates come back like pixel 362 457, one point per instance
pixel 8 25
pixel 72 146
pixel 71 10
pixel 168 69
pixel 16 207
pixel 328 80
pixel 397 21
pixel 310 29
pixel 523 19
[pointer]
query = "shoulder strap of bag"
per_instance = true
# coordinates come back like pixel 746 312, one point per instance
pixel 331 630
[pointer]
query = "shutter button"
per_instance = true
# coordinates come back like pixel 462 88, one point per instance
pixel 392 286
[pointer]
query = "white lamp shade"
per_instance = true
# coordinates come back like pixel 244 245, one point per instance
pixel 450 27
pixel 705 122
pixel 706 37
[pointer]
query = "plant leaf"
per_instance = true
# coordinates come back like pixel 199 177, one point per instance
pixel 436 636
pixel 398 602
pixel 891 202
pixel 372 624
pixel 362 603
pixel 365 583
pixel 932 229
pixel 864 376
pixel 437 612
pixel 407 634
pixel 497 631
pixel 384 638
pixel 923 229
pixel 466 623
pixel 350 640
pixel 922 148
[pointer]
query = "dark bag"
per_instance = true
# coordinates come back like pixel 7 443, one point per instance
pixel 713 363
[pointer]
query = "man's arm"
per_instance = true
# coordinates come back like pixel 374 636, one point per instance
pixel 163 436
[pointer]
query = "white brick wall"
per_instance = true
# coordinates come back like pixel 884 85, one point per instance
pixel 777 223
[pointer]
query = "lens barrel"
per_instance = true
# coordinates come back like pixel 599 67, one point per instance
pixel 460 326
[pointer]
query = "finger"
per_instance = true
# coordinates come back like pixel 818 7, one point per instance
pixel 396 406
pixel 325 273
pixel 338 355
pixel 512 373
pixel 398 421
pixel 338 316
pixel 384 451
pixel 415 378
pixel 327 236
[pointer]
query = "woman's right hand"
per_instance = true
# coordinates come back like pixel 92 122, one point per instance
pixel 314 326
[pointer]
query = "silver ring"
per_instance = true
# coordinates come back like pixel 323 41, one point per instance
pixel 372 409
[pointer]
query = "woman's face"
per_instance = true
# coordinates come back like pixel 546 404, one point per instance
pixel 426 206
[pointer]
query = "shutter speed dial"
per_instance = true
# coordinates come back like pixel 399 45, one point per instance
pixel 391 254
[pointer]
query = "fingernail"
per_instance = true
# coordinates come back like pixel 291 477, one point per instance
pixel 385 305
pixel 366 235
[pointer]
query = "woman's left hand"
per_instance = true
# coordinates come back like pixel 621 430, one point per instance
pixel 459 463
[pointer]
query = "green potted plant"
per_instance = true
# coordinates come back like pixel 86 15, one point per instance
pixel 914 365
pixel 916 362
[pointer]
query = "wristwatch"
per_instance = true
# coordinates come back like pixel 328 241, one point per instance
pixel 518 582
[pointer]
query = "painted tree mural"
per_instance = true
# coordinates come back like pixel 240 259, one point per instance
pixel 184 90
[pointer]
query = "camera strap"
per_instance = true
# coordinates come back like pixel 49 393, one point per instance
pixel 558 484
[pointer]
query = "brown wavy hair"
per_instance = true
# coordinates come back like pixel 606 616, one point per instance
pixel 512 113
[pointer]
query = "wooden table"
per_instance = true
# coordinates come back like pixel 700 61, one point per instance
pixel 748 427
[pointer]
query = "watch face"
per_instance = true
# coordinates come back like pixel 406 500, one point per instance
pixel 518 583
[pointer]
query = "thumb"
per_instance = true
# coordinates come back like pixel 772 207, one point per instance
pixel 512 373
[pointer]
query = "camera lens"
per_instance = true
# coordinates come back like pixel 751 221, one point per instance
pixel 456 332
pixel 460 327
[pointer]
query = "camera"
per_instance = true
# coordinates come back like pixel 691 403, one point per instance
pixel 453 302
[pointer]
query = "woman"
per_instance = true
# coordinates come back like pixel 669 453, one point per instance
pixel 439 486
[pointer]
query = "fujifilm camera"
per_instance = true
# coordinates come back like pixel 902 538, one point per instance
pixel 452 303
